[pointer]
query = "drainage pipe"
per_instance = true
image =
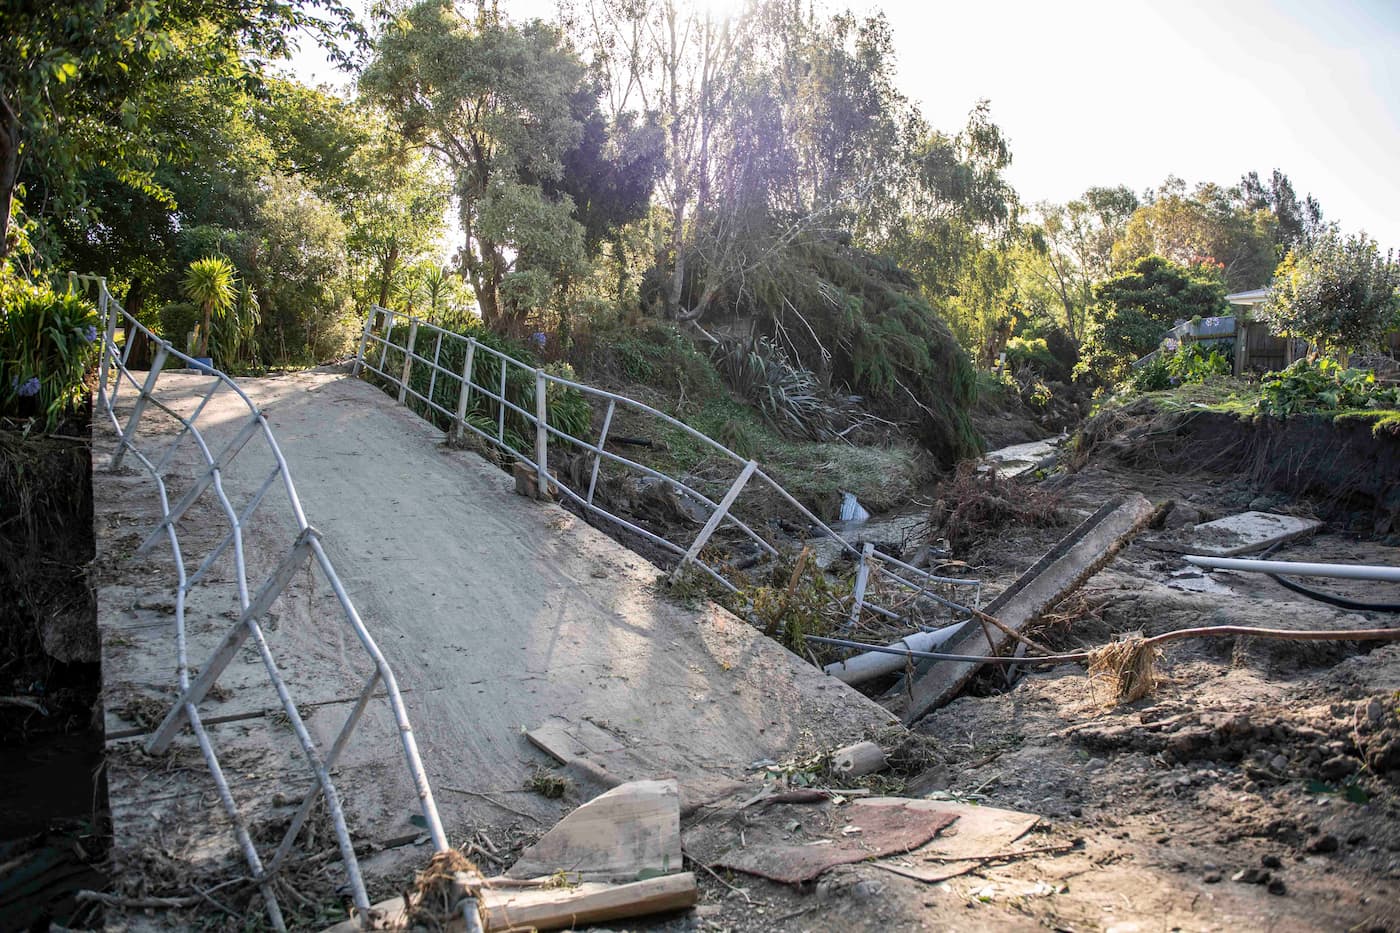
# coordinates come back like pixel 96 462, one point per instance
pixel 872 664
pixel 1297 569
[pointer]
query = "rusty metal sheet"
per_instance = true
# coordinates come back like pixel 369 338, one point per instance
pixel 871 833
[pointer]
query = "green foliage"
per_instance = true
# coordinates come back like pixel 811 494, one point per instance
pixel 1213 230
pixel 1339 293
pixel 47 341
pixel 649 352
pixel 568 409
pixel 297 263
pixel 1187 364
pixel 790 397
pixel 178 319
pixel 1136 307
pixel 864 328
pixel 209 283
pixel 1323 386
pixel 497 102
pixel 235 334
pixel 1031 352
pixel 81 84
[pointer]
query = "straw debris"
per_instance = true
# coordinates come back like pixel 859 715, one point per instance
pixel 1126 666
pixel 433 902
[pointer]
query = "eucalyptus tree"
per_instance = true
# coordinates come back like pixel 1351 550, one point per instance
pixel 493 101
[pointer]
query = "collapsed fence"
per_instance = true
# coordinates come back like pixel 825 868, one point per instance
pixel 464 386
pixel 253 604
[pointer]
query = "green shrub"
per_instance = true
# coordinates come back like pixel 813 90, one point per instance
pixel 47 341
pixel 177 323
pixel 1323 386
pixel 568 409
pixel 1032 352
pixel 1184 364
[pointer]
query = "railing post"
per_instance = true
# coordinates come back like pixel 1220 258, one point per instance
pixel 718 515
pixel 108 345
pixel 541 433
pixel 602 440
pixel 408 358
pixel 464 398
pixel 862 578
pixel 432 377
pixel 501 408
pixel 388 335
pixel 136 410
pixel 364 342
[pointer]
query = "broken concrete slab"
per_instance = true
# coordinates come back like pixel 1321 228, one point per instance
pixel 1076 558
pixel 1237 534
pixel 1018 459
pixel 629 832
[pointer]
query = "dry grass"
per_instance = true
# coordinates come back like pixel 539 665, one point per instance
pixel 971 506
pixel 432 904
pixel 1126 667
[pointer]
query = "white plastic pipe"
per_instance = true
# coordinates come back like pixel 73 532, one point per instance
pixel 874 664
pixel 1298 569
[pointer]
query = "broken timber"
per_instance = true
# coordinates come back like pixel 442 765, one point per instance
pixel 1081 554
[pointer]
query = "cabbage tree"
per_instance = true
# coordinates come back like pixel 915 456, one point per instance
pixel 209 283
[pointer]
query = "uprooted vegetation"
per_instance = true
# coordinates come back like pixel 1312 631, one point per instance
pixel 971 506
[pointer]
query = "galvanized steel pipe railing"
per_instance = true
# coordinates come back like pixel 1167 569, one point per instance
pixel 304 552
pixel 379 331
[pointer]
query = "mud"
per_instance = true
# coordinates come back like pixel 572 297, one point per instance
pixel 1348 473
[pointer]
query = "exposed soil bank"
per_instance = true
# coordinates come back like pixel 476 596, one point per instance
pixel 53 832
pixel 1349 474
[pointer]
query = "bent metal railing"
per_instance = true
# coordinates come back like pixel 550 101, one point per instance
pixel 395 363
pixel 113 374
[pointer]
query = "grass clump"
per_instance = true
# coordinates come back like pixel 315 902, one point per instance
pixel 547 783
pixel 1126 666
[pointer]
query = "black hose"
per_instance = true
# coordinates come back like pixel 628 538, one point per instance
pixel 1331 599
pixel 1341 602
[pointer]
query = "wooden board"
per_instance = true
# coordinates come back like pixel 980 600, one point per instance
pixel 872 832
pixel 633 829
pixel 560 907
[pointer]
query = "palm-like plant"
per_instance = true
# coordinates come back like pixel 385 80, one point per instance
pixel 209 283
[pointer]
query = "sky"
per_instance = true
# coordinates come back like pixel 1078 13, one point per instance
pixel 1131 91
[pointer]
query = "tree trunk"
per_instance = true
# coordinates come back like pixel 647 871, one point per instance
pixel 9 170
pixel 140 355
pixel 386 273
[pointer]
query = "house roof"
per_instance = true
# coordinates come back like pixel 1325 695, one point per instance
pixel 1252 297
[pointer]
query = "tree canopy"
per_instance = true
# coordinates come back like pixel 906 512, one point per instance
pixel 1339 293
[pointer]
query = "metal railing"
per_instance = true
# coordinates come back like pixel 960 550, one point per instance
pixel 451 393
pixel 253 604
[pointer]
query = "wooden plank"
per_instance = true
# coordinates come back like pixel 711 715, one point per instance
pixel 630 830
pixel 558 908
pixel 978 831
pixel 1077 557
pixel 564 908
